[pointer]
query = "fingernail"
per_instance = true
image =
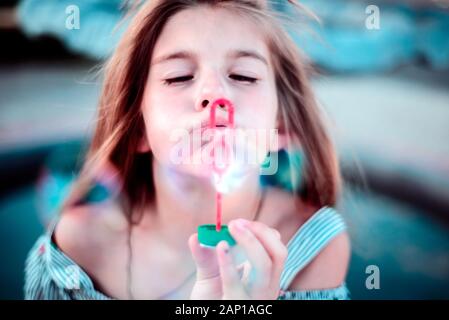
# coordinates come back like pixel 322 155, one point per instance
pixel 238 227
pixel 242 224
pixel 225 246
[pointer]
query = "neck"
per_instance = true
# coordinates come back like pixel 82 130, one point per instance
pixel 183 201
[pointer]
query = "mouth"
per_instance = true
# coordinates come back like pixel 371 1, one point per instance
pixel 204 125
pixel 206 134
pixel 220 122
pixel 216 120
pixel 203 133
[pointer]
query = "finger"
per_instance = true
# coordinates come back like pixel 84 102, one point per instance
pixel 245 272
pixel 205 259
pixel 241 270
pixel 271 241
pixel 231 283
pixel 254 250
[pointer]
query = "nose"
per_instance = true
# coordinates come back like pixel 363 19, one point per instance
pixel 211 89
pixel 206 103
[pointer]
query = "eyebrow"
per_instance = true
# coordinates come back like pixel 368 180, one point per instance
pixel 188 55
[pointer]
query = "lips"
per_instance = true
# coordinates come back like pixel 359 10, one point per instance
pixel 208 135
pixel 220 122
pixel 203 134
pixel 216 121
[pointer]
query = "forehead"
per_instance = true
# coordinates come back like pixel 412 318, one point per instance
pixel 211 30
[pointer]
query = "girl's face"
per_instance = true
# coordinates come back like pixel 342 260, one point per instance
pixel 204 54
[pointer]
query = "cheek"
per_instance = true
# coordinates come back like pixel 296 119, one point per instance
pixel 262 110
pixel 163 109
pixel 260 114
pixel 159 124
pixel 271 107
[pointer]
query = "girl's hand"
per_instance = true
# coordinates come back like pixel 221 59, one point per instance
pixel 219 278
pixel 208 282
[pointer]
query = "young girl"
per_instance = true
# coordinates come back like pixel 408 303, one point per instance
pixel 176 58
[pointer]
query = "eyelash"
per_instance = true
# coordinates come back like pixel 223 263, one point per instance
pixel 186 78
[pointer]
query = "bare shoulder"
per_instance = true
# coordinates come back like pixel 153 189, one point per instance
pixel 84 231
pixel 328 269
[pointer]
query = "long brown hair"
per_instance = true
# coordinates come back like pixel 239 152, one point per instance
pixel 120 124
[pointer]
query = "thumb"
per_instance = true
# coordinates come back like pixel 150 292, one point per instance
pixel 205 259
pixel 231 282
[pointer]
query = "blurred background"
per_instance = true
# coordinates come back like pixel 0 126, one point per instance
pixel 383 80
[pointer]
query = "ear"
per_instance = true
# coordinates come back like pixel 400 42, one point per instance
pixel 143 145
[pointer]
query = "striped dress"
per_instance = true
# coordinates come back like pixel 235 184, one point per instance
pixel 51 274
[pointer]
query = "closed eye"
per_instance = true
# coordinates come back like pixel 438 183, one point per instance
pixel 236 77
pixel 178 80
pixel 242 78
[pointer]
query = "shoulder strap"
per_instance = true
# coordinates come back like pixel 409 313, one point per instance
pixel 315 234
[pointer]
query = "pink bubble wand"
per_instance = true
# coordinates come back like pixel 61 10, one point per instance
pixel 211 235
pixel 220 170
